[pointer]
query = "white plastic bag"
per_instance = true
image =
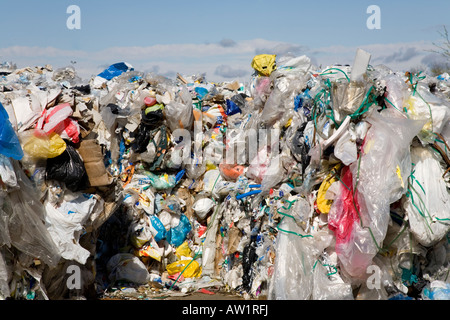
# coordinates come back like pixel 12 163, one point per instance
pixel 7 173
pixel 203 207
pixel 427 202
pixel 128 267
pixel 65 224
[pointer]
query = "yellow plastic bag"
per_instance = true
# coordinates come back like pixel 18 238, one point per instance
pixel 323 204
pixel 191 268
pixel 264 64
pixel 45 146
pixel 183 250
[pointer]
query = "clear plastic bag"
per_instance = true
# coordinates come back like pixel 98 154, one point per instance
pixel 380 176
pixel 329 286
pixel 293 277
pixel 26 222
pixel 179 112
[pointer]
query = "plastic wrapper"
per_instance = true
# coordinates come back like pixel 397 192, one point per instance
pixel 437 290
pixel 7 173
pixel 347 97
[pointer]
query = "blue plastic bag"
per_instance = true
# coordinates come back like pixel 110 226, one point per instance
pixel 177 235
pixel 201 92
pixel 9 142
pixel 115 70
pixel 158 228
pixel 232 108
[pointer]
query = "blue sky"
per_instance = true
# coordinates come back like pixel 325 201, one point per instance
pixel 216 37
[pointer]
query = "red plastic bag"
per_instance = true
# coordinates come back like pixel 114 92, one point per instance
pixel 57 119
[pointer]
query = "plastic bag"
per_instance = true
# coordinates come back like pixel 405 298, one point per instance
pixel 345 148
pixel 231 172
pixel 296 254
pixel 66 233
pixel 203 207
pixel 264 64
pixel 343 219
pixel 190 268
pixel 151 119
pixel 157 228
pixel 179 114
pixel 68 168
pixel 57 119
pixel 41 145
pixel 128 267
pixel 427 202
pixel 26 222
pixel 381 176
pixel 7 174
pixel 115 70
pixel 9 142
pixel 177 234
pixel 329 286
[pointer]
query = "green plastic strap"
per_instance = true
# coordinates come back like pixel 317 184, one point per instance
pixel 326 265
pixel 385 98
pixel 365 105
pixel 292 232
pixel 337 69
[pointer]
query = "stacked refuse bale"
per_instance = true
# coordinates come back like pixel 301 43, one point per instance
pixel 301 184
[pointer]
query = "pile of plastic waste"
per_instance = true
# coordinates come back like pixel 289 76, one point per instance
pixel 301 184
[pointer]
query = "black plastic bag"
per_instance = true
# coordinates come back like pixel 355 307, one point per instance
pixel 147 128
pixel 68 168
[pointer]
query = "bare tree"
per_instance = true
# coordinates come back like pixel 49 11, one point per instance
pixel 443 48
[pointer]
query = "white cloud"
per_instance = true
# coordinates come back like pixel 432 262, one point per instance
pixel 218 60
